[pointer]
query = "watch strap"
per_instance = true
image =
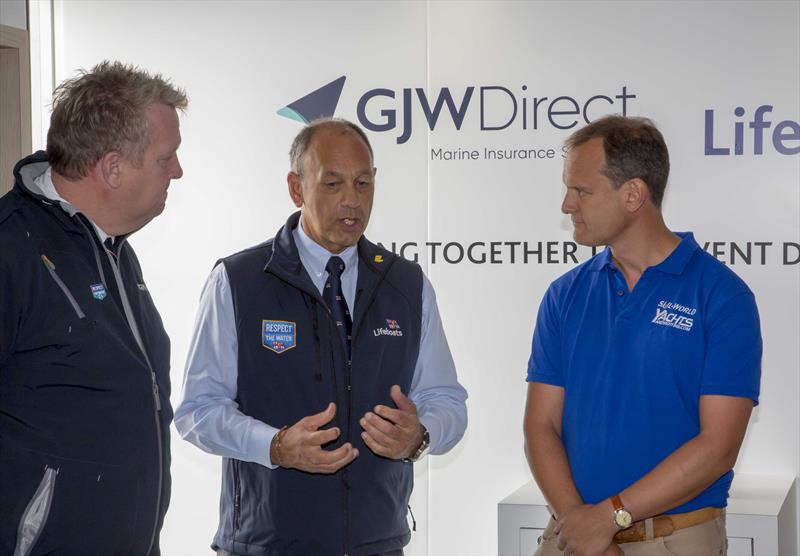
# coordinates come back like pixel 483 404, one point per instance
pixel 423 446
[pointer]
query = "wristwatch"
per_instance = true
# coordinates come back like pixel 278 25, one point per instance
pixel 423 447
pixel 622 517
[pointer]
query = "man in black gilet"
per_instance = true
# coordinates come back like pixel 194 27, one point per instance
pixel 319 369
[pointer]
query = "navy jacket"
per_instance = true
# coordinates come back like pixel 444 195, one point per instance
pixel 84 410
pixel 362 508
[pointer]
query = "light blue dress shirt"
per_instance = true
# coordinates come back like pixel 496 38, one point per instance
pixel 209 417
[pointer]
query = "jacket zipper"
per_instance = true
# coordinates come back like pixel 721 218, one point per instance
pixel 349 396
pixel 51 268
pixel 34 518
pixel 156 395
pixel 237 496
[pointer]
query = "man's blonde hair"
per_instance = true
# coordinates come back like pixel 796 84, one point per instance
pixel 102 111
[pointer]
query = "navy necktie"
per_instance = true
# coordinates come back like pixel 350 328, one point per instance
pixel 333 296
pixel 110 247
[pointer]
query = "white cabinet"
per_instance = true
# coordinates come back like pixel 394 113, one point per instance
pixel 761 518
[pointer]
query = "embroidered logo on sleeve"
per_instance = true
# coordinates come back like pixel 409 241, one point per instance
pixel 392 329
pixel 278 335
pixel 98 291
pixel 669 313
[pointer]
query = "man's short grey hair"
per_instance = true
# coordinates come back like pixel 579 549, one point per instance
pixel 303 139
pixel 102 111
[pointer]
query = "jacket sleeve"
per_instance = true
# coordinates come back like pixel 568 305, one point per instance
pixel 208 415
pixel 440 399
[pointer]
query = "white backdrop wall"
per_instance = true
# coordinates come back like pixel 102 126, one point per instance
pixel 676 62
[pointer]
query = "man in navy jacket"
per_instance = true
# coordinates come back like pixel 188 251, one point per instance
pixel 320 371
pixel 84 358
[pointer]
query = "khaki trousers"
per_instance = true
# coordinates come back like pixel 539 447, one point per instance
pixel 706 539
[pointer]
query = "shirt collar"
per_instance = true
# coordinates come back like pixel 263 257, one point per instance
pixel 315 257
pixel 600 261
pixel 45 184
pixel 674 264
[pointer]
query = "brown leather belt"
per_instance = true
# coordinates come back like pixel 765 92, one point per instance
pixel 665 525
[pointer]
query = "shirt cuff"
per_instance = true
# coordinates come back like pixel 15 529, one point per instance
pixel 434 429
pixel 258 442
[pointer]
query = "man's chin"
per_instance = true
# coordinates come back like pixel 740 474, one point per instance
pixel 581 239
pixel 350 239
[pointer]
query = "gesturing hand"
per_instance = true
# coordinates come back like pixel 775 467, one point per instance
pixel 393 433
pixel 300 446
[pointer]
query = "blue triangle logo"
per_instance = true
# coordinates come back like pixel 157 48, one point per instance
pixel 317 104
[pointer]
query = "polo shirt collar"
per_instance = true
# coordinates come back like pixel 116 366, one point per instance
pixel 679 258
pixel 601 260
pixel 315 257
pixel 674 264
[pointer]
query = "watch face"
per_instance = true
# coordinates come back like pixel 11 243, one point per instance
pixel 623 518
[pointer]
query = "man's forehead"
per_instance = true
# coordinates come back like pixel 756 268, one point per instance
pixel 334 137
pixel 592 152
pixel 333 146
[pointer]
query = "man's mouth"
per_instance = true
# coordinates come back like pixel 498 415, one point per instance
pixel 349 221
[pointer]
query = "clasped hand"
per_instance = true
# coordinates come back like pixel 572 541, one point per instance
pixel 587 530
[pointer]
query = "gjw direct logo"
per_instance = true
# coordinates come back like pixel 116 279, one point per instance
pixel 499 107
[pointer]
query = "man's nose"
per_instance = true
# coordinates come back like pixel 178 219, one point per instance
pixel 350 197
pixel 568 204
pixel 177 170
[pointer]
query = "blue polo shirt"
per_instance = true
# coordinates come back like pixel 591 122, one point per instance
pixel 633 365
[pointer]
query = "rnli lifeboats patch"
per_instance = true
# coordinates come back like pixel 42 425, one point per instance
pixel 278 335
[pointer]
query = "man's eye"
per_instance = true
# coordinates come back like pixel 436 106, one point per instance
pixel 364 183
pixel 331 183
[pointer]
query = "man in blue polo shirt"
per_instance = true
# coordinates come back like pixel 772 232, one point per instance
pixel 645 365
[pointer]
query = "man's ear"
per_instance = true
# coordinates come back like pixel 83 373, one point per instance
pixel 110 166
pixel 295 188
pixel 636 194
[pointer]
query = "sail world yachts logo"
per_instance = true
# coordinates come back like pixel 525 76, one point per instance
pixel 669 313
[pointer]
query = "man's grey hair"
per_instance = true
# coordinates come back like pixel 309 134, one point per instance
pixel 102 110
pixel 303 139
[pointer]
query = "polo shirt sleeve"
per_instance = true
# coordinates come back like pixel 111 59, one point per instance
pixel 544 364
pixel 732 365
